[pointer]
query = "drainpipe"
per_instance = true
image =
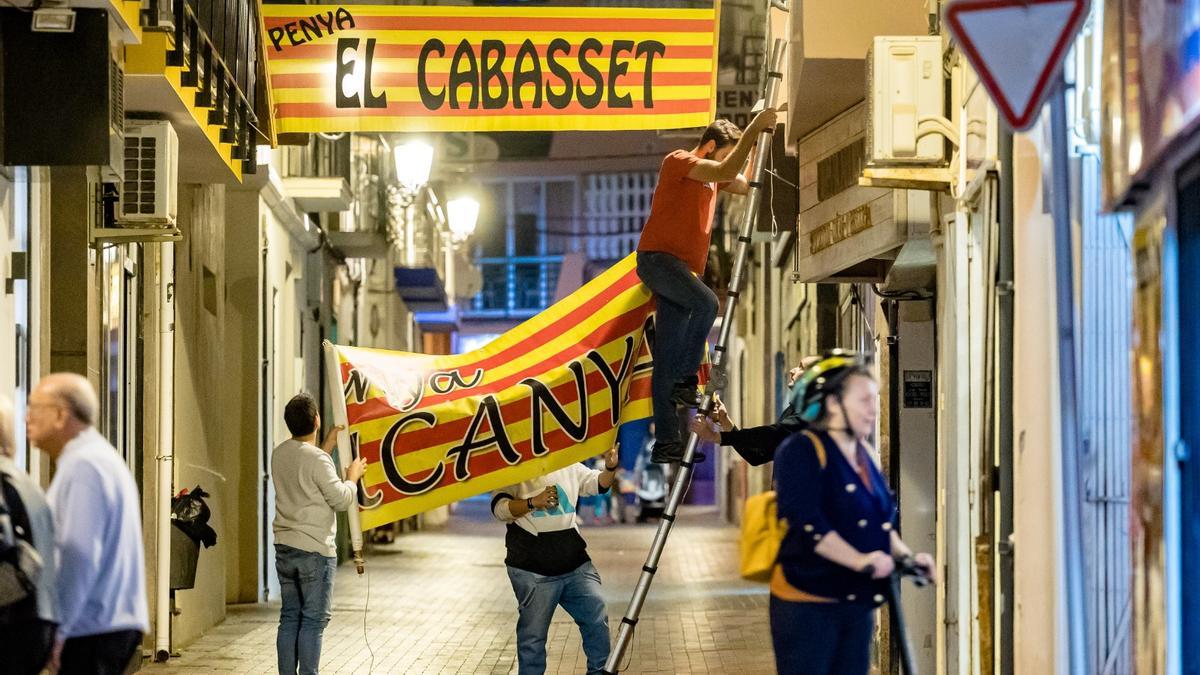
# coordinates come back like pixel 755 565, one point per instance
pixel 1077 639
pixel 166 450
pixel 1005 412
pixel 892 307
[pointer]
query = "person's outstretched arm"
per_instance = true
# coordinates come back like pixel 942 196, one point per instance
pixel 756 445
pixel 728 169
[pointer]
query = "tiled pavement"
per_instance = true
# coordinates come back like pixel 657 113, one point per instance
pixel 440 602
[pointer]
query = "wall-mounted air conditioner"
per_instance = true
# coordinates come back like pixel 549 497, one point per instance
pixel 905 101
pixel 114 170
pixel 148 192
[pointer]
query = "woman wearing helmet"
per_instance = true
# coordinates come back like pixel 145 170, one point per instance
pixel 835 560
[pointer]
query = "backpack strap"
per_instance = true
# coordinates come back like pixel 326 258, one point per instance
pixel 818 446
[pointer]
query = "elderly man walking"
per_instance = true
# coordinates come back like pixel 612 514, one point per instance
pixel 98 530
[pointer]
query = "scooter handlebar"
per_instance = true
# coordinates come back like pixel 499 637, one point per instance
pixel 906 566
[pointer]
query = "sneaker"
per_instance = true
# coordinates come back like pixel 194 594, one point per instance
pixel 670 452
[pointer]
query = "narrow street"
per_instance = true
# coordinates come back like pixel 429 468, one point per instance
pixel 440 602
pixel 306 273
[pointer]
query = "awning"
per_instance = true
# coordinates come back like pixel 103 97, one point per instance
pixel 421 289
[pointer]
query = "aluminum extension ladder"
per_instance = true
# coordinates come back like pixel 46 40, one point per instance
pixel 717 380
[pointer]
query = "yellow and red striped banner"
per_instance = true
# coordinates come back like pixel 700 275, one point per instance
pixel 375 68
pixel 548 393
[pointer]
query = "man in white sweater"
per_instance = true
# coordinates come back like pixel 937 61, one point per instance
pixel 548 563
pixel 308 492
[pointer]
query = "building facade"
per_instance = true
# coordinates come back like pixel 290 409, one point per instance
pixel 192 272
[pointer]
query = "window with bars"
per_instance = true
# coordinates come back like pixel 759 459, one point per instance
pixel 520 241
pixel 615 209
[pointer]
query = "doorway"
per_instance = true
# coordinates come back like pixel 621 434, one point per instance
pixel 1187 306
pixel 120 354
pixel 17 307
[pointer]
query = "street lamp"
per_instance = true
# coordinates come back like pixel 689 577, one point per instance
pixel 462 212
pixel 414 160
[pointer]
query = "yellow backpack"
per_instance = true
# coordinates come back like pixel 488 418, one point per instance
pixel 762 530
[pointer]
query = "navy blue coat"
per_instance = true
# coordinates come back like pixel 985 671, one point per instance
pixel 815 501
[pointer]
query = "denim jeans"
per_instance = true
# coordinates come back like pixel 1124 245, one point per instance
pixel 538 596
pixel 306 584
pixel 818 638
pixel 686 310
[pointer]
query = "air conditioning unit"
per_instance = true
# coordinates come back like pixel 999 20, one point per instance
pixel 905 90
pixel 163 22
pixel 148 193
pixel 114 170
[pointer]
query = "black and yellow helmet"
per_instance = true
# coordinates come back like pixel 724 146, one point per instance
pixel 822 379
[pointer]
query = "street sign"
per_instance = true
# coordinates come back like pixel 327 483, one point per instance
pixel 1017 47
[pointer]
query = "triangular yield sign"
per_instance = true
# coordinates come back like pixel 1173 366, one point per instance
pixel 1016 46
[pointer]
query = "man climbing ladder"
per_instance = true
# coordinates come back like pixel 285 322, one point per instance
pixel 673 252
pixel 717 381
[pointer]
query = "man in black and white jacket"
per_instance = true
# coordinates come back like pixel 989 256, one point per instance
pixel 548 562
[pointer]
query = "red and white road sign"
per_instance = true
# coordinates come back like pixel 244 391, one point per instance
pixel 1017 47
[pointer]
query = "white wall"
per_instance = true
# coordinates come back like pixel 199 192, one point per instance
pixel 285 295
pixel 201 457
pixel 1037 509
pixel 956 420
pixel 918 486
pixel 15 230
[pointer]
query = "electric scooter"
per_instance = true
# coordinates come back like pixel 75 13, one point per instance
pixel 906 566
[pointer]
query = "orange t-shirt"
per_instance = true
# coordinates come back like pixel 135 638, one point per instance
pixel 681 213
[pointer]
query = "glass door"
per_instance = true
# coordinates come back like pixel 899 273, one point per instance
pixel 120 337
pixel 16 191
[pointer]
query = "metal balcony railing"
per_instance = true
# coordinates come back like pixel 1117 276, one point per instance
pixel 216 43
pixel 368 159
pixel 516 287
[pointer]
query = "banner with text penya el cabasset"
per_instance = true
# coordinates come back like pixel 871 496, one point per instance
pixel 376 68
pixel 546 394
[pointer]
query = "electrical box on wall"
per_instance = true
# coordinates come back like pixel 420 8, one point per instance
pixel 148 193
pixel 905 95
pixel 59 91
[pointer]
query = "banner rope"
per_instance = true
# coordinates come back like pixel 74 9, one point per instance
pixel 366 605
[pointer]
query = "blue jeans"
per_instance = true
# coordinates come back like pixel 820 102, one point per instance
pixel 818 638
pixel 538 596
pixel 306 584
pixel 686 310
